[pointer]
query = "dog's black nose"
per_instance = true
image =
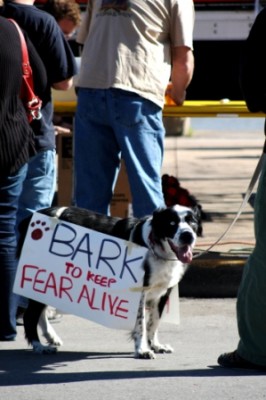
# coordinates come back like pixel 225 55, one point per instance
pixel 186 237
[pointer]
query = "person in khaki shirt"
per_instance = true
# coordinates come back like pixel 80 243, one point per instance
pixel 131 49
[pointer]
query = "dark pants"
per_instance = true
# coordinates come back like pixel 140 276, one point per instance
pixel 10 190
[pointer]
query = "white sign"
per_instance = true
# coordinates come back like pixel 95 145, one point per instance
pixel 81 271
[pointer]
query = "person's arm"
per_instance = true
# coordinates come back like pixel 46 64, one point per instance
pixel 182 72
pixel 63 85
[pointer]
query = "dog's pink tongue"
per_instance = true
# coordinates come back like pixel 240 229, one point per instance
pixel 184 254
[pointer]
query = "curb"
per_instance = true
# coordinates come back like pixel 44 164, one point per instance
pixel 214 275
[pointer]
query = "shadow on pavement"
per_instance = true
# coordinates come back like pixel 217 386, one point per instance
pixel 21 367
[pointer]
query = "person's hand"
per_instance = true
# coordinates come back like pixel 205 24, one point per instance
pixel 60 129
pixel 174 97
pixel 168 95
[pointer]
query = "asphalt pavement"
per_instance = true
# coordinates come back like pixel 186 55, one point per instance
pixel 97 363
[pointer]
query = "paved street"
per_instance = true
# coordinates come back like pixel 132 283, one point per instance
pixel 97 363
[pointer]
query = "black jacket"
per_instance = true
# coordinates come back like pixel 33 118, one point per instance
pixel 16 135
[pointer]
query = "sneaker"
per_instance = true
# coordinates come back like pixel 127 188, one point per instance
pixel 11 338
pixel 19 316
pixel 234 360
pixel 53 315
pixel 20 321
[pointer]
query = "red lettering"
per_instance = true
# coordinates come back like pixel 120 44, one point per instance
pixel 64 288
pixel 104 281
pixel 100 280
pixel 75 272
pixel 39 281
pixel 26 268
pixel 113 306
pixel 111 281
pixel 116 311
pixel 51 284
pixel 112 303
pixel 68 266
pixel 121 310
pixel 103 301
pixel 90 276
pixel 90 299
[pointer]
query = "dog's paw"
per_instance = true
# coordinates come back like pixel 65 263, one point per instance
pixel 39 348
pixel 145 354
pixel 53 340
pixel 162 348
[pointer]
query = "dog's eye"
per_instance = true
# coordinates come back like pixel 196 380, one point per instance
pixel 192 221
pixel 172 223
pixel 189 218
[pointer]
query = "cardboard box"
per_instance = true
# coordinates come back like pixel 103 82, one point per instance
pixel 121 202
pixel 64 169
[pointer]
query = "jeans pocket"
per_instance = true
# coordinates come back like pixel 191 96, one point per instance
pixel 132 110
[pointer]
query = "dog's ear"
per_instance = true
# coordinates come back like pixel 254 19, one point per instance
pixel 197 225
pixel 158 218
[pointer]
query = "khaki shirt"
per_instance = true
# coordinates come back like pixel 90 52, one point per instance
pixel 127 44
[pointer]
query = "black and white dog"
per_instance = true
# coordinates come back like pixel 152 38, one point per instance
pixel 169 234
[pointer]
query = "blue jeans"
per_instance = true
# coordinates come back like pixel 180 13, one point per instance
pixel 39 185
pixel 38 190
pixel 110 124
pixel 10 190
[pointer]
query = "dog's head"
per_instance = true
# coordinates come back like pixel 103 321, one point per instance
pixel 174 230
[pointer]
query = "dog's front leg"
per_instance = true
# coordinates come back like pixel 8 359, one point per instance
pixel 152 330
pixel 48 331
pixel 34 314
pixel 139 334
